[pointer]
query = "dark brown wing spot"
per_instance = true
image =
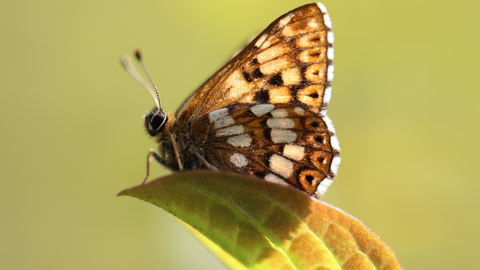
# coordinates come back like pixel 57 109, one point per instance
pixel 260 173
pixel 247 76
pixel 276 80
pixel 309 178
pixel 257 74
pixel 267 135
pixel 266 160
pixel 262 96
pixel 281 147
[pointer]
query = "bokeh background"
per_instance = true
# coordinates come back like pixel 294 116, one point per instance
pixel 405 106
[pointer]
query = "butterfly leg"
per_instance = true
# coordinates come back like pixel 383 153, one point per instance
pixel 177 152
pixel 151 153
pixel 204 161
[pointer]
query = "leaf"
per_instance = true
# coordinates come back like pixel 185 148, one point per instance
pixel 254 224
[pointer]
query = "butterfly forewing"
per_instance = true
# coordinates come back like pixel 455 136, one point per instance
pixel 264 113
pixel 286 63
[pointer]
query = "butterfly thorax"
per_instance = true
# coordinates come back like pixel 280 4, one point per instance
pixel 171 138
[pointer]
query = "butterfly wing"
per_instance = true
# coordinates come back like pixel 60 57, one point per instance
pixel 281 143
pixel 264 113
pixel 289 62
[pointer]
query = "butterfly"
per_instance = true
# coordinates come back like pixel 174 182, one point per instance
pixel 263 114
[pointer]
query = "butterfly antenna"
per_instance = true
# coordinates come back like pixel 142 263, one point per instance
pixel 140 60
pixel 127 63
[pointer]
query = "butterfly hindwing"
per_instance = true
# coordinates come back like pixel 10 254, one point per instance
pixel 280 143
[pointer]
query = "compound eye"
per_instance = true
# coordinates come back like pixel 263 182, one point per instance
pixel 157 121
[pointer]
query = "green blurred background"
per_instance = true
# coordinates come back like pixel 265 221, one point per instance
pixel 405 106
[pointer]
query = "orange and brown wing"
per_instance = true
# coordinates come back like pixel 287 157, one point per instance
pixel 290 62
pixel 281 143
pixel 264 112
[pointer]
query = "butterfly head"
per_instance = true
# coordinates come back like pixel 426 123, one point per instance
pixel 155 121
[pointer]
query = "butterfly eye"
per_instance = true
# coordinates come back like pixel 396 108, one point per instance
pixel 157 121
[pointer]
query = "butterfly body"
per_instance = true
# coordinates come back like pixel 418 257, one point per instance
pixel 263 114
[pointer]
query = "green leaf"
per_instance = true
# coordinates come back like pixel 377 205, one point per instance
pixel 254 224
